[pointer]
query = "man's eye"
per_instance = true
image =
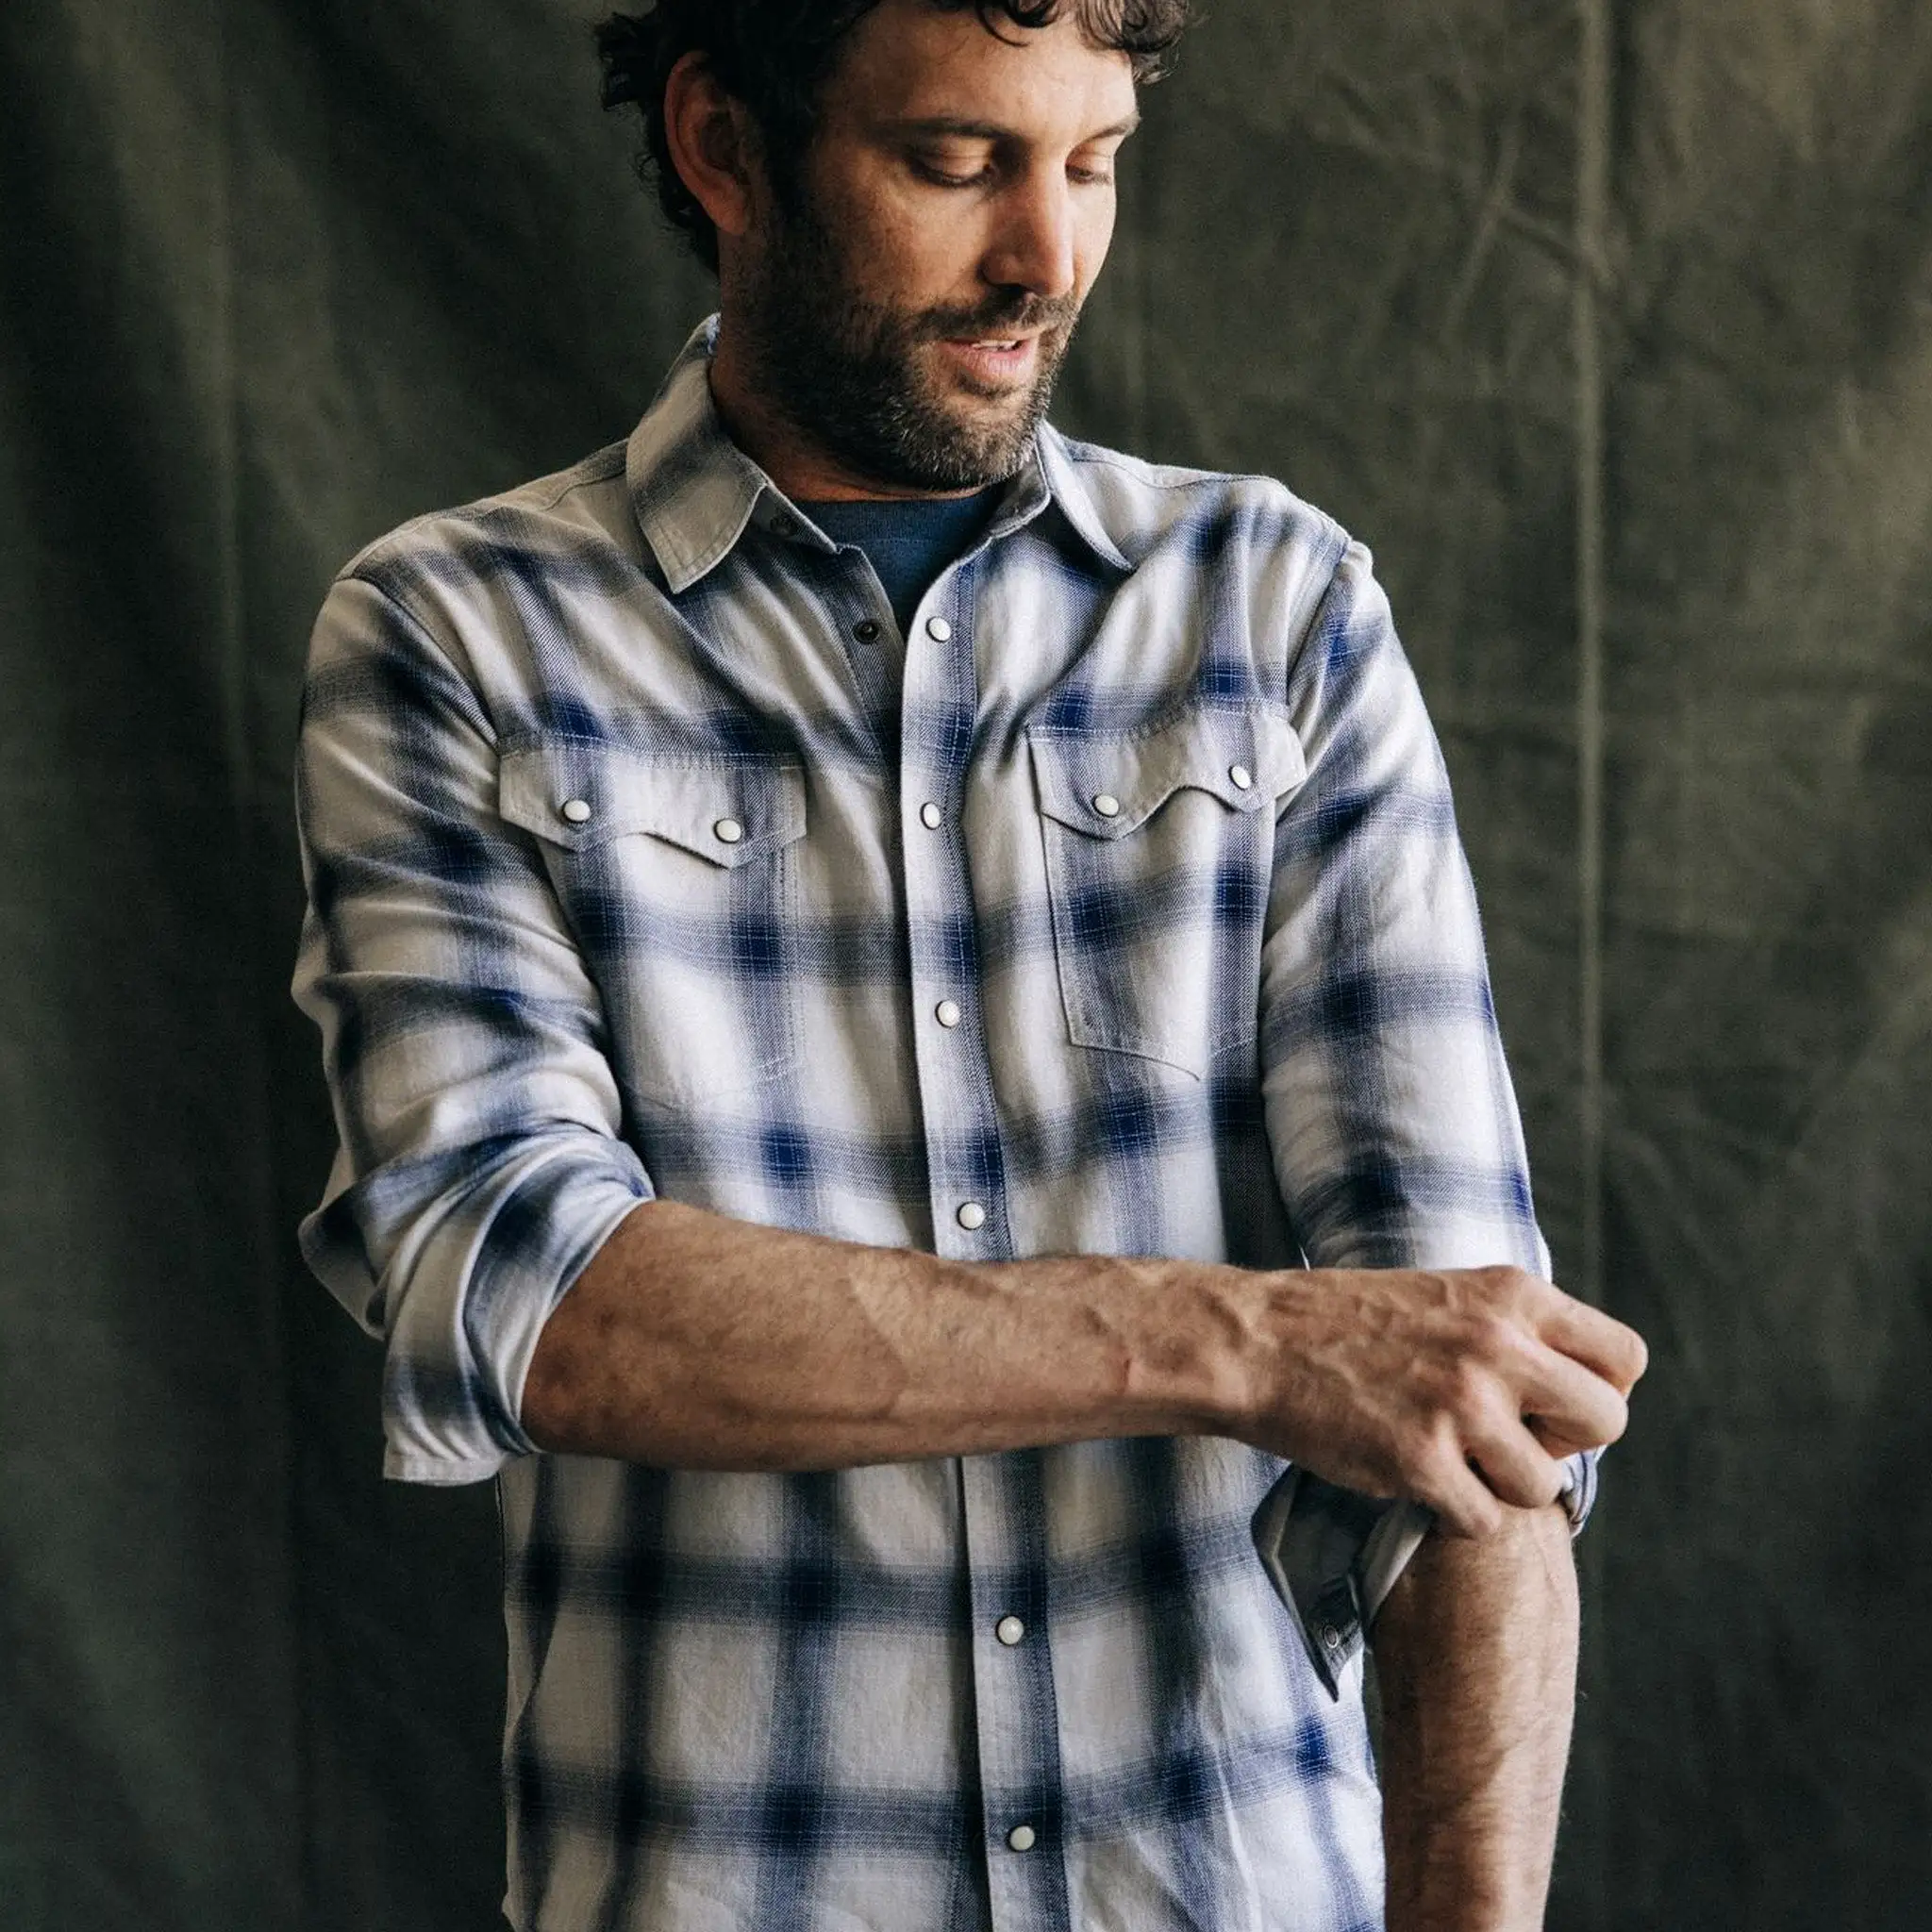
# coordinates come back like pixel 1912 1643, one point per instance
pixel 941 176
pixel 1090 177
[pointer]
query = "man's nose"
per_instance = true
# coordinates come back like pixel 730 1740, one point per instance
pixel 1034 246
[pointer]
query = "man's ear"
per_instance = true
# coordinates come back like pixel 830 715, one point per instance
pixel 711 143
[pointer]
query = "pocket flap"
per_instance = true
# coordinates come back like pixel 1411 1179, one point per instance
pixel 578 794
pixel 1107 784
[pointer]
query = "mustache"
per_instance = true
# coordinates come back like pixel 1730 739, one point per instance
pixel 1017 314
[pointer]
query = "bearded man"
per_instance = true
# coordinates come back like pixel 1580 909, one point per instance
pixel 914 1056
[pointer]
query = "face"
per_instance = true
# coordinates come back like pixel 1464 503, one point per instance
pixel 906 308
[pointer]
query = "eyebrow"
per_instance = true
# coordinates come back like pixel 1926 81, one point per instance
pixel 939 124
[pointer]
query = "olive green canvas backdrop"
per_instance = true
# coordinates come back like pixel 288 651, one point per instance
pixel 1608 325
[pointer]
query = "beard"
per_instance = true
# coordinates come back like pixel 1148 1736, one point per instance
pixel 847 372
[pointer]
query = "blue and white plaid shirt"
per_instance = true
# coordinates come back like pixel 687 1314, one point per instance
pixel 1118 908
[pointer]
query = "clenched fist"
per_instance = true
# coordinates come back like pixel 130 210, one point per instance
pixel 1462 1389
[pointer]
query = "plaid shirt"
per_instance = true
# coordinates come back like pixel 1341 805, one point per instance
pixel 1116 909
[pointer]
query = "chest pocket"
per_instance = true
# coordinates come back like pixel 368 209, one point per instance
pixel 1158 848
pixel 675 876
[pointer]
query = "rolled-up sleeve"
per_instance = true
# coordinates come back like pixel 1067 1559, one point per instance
pixel 1389 1111
pixel 1390 1115
pixel 480 1164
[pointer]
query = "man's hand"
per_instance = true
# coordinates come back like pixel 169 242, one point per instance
pixel 1462 1390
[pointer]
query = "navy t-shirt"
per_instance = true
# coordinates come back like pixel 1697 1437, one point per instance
pixel 910 542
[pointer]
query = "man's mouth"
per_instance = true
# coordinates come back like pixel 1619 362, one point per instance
pixel 994 361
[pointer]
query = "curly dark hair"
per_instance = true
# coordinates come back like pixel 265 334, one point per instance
pixel 776 54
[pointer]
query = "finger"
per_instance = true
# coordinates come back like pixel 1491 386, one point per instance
pixel 1553 1439
pixel 1571 1402
pixel 1464 1504
pixel 1601 1342
pixel 1514 1466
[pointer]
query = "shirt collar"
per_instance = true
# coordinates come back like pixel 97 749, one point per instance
pixel 693 490
pixel 1062 480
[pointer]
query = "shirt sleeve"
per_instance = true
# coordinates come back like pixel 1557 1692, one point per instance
pixel 1333 1557
pixel 1390 1115
pixel 479 1165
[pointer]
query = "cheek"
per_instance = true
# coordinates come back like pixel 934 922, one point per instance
pixel 1092 238
pixel 905 256
pixel 934 259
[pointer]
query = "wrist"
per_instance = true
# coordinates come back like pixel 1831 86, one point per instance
pixel 1196 1359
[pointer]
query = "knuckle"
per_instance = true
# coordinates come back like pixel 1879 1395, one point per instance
pixel 1469 1389
pixel 1491 1285
pixel 1494 1338
pixel 1513 1287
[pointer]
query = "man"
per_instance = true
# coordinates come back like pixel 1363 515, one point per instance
pixel 860 948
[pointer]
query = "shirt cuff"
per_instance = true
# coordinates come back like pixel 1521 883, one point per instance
pixel 1333 1556
pixel 459 1260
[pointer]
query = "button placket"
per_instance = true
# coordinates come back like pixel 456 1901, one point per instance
pixel 949 1077
pixel 1013 1690
pixel 1016 1733
pixel 940 697
pixel 867 642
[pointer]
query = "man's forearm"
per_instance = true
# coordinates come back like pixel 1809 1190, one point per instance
pixel 1475 1655
pixel 697 1342
pixel 701 1342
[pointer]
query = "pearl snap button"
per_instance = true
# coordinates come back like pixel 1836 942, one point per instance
pixel 729 831
pixel 1242 778
pixel 931 817
pixel 784 526
pixel 1009 1631
pixel 972 1216
pixel 937 629
pixel 1022 1838
pixel 947 1013
pixel 866 630
pixel 577 810
pixel 1107 806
